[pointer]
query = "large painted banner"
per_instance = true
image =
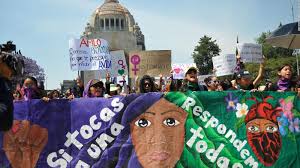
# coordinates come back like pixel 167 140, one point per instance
pixel 194 129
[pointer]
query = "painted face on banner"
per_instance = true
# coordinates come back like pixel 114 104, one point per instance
pixel 263 133
pixel 158 135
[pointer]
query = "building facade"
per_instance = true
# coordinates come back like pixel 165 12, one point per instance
pixel 114 23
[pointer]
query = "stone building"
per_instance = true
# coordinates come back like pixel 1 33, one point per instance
pixel 114 23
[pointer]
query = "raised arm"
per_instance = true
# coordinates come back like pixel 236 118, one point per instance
pixel 260 72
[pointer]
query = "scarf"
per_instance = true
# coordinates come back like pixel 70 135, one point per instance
pixel 283 84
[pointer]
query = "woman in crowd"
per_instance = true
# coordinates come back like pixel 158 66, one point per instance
pixel 284 83
pixel 54 94
pixel 243 78
pixel 147 84
pixel 212 83
pixel 191 81
pixel 17 95
pixel 30 89
pixel 94 88
pixel 78 88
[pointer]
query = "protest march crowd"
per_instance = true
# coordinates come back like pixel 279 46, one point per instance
pixel 241 80
pixel 132 119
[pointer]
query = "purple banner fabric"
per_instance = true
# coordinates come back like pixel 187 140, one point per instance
pixel 74 133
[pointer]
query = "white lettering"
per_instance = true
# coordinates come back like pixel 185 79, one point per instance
pixel 58 162
pixel 189 102
pixel 71 139
pixel 93 124
pixel 94 151
pixel 86 131
pixel 116 129
pixel 212 154
pixel 106 114
pixel 118 106
pixel 196 133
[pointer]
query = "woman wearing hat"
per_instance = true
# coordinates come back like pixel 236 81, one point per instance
pixel 191 81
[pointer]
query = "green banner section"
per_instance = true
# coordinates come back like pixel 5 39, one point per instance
pixel 239 129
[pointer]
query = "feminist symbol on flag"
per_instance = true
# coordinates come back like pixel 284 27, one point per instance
pixel 135 60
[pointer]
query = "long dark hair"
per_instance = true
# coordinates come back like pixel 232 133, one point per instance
pixel 142 83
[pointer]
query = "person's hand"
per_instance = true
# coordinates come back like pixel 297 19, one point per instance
pixel 253 90
pixel 46 99
pixel 71 97
pixel 214 71
pixel 107 77
pixel 136 78
pixel 263 62
pixel 23 143
pixel 238 56
pixel 123 94
pixel 160 77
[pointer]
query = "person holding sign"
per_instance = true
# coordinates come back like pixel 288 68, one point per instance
pixel 244 79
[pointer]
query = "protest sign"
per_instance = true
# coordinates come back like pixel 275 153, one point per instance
pixel 89 54
pixel 119 65
pixel 150 63
pixel 251 53
pixel 179 70
pixel 192 129
pixel 118 69
pixel 224 65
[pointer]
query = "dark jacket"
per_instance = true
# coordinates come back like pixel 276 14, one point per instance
pixel 6 105
pixel 187 86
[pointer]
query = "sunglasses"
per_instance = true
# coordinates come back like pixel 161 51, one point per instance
pixel 215 81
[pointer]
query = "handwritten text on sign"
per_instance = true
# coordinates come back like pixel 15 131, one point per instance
pixel 224 65
pixel 250 52
pixel 90 54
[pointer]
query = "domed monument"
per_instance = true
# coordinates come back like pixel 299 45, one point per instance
pixel 114 23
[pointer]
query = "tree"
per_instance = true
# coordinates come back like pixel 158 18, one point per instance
pixel 203 53
pixel 270 51
pixel 31 68
pixel 275 58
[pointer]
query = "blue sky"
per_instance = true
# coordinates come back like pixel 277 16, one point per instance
pixel 42 28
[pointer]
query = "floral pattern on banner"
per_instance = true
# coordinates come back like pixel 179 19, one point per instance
pixel 242 110
pixel 231 102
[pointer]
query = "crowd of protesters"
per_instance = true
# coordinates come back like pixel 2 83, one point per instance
pixel 241 80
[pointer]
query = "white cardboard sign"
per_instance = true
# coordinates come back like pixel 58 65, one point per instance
pixel 224 65
pixel 250 52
